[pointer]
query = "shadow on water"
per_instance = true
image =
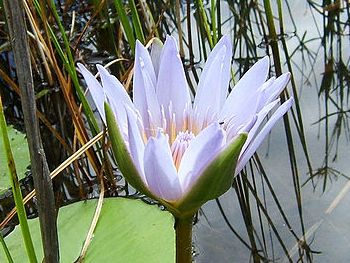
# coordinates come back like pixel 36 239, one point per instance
pixel 288 203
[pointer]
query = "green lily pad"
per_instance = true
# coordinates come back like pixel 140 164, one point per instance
pixel 20 153
pixel 127 231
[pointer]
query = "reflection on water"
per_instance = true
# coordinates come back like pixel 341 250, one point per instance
pixel 275 212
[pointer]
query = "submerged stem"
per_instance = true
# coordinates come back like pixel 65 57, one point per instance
pixel 183 229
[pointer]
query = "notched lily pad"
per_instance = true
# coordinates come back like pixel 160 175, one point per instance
pixel 127 231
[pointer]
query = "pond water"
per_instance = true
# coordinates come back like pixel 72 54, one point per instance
pixel 322 219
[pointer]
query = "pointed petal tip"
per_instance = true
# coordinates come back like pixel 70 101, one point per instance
pixel 138 46
pixel 79 65
pixel 290 101
pixel 102 69
pixel 288 76
pixel 225 41
pixel 265 60
pixel 262 66
pixel 82 68
pixel 170 37
pixel 138 42
pixel 285 77
pixel 225 38
pixel 99 66
pixel 170 43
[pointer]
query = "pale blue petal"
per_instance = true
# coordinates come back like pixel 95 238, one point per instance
pixel 247 89
pixel 271 92
pixel 113 89
pixel 95 89
pixel 259 120
pixel 200 152
pixel 136 144
pixel 214 81
pixel 172 84
pixel 117 97
pixel 242 112
pixel 278 86
pixel 156 51
pixel 255 143
pixel 143 60
pixel 144 82
pixel 121 119
pixel 160 171
pixel 264 89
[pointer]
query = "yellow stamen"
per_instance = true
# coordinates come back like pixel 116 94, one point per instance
pixel 172 130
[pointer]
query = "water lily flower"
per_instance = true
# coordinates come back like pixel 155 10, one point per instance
pixel 180 152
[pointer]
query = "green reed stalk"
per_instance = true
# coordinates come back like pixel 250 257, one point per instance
pixel 16 190
pixel 147 13
pixel 68 62
pixel 295 92
pixel 205 22
pixel 6 250
pixel 125 23
pixel 136 22
pixel 273 37
pixel 213 21
pixel 289 136
pixel 70 66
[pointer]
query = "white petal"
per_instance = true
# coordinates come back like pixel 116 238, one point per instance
pixel 242 112
pixel 214 81
pixel 95 89
pixel 135 143
pixel 264 89
pixel 271 92
pixel 255 143
pixel 277 87
pixel 143 59
pixel 260 118
pixel 156 51
pixel 117 97
pixel 144 82
pixel 246 89
pixel 160 170
pixel 121 119
pixel 114 90
pixel 172 84
pixel 200 152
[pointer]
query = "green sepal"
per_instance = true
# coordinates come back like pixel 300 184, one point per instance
pixel 215 180
pixel 122 154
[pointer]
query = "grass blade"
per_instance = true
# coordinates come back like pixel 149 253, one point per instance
pixel 204 19
pixel 125 23
pixel 16 190
pixel 6 250
pixel 136 22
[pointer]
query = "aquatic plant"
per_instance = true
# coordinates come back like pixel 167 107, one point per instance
pixel 179 153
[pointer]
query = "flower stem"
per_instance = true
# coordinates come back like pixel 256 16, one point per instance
pixel 183 229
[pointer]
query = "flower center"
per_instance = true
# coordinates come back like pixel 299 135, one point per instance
pixel 180 145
